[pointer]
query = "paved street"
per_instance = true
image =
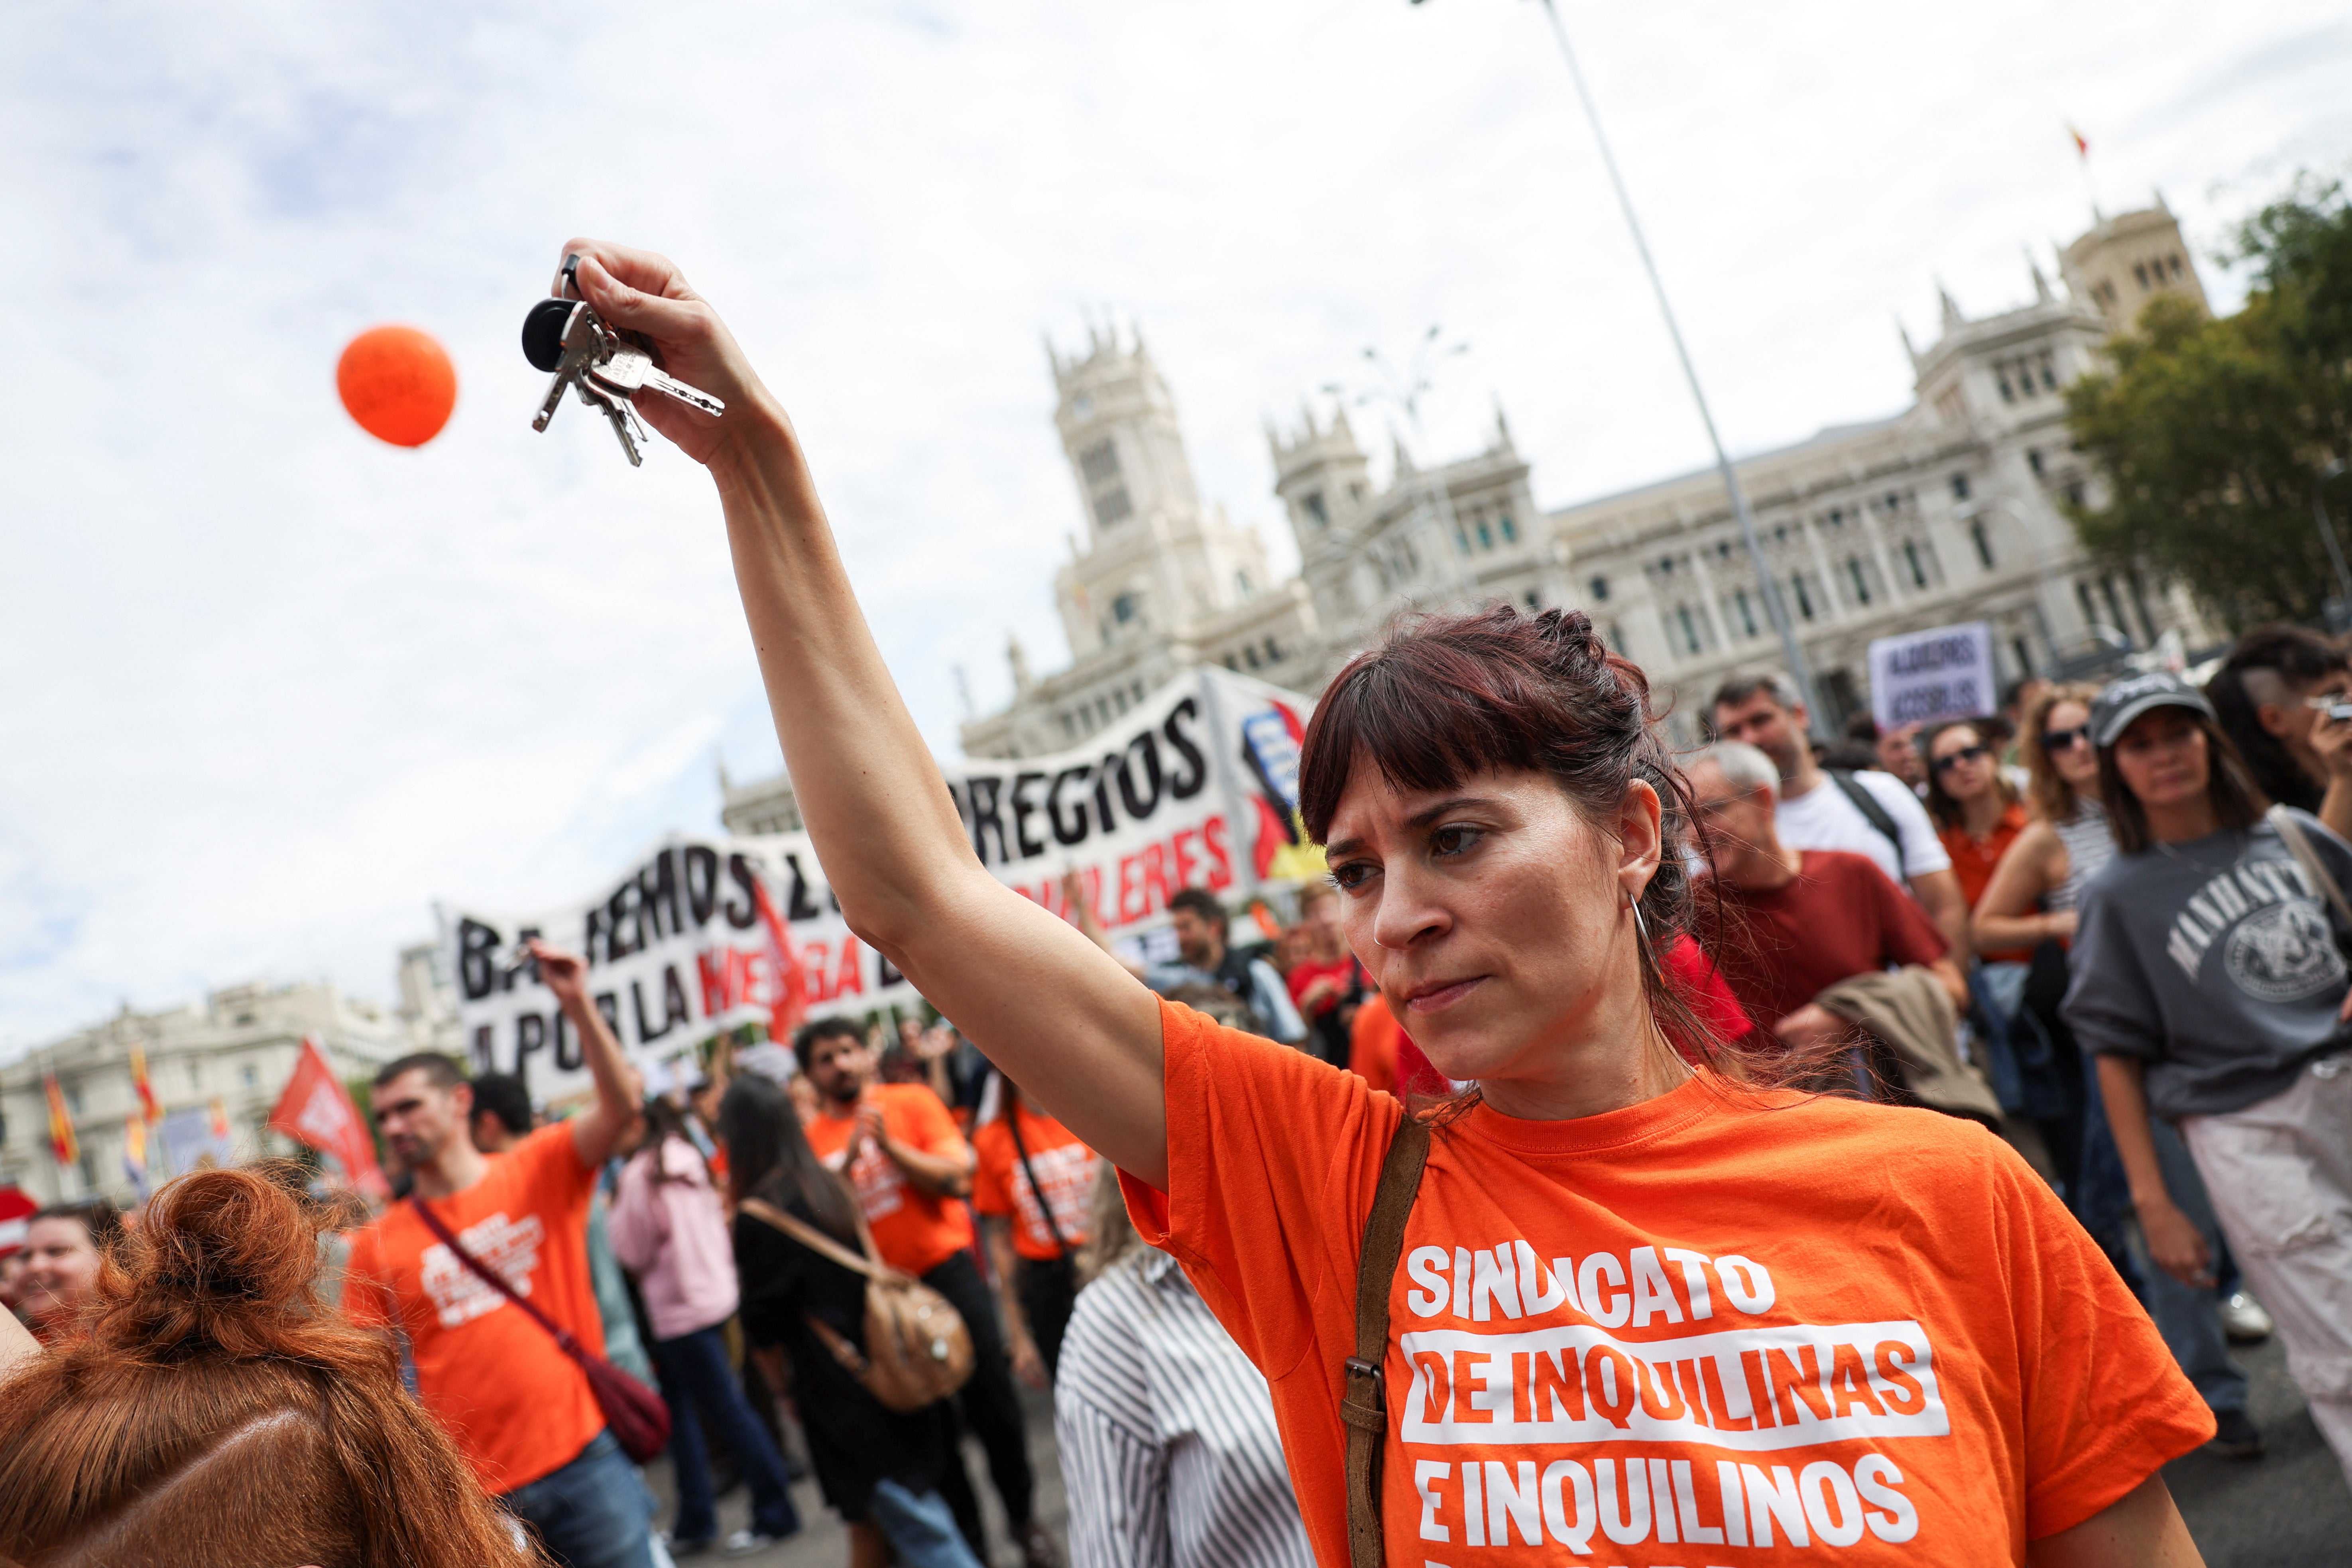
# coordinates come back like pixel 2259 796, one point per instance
pixel 2287 1509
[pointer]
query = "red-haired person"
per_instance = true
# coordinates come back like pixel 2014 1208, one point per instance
pixel 1634 1297
pixel 216 1413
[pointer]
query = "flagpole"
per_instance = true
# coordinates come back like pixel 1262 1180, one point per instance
pixel 2083 162
pixel 1775 606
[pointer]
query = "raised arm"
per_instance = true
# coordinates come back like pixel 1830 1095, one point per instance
pixel 2006 917
pixel 619 1091
pixel 1045 1004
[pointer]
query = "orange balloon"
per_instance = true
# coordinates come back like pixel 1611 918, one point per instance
pixel 398 383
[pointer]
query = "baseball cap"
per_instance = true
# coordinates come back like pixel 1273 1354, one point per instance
pixel 2113 711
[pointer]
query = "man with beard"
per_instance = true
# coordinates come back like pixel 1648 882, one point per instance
pixel 899 1147
pixel 518 1406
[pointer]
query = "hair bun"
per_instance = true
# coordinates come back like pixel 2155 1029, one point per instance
pixel 219 1257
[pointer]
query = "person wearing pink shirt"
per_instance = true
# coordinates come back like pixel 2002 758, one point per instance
pixel 670 1231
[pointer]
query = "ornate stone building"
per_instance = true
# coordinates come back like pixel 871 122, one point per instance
pixel 237 1047
pixel 1950 511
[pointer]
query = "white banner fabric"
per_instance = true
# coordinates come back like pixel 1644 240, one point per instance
pixel 1196 786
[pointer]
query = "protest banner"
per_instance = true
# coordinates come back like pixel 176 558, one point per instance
pixel 1943 672
pixel 316 1110
pixel 1195 787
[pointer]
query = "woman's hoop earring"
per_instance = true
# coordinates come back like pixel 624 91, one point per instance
pixel 1640 926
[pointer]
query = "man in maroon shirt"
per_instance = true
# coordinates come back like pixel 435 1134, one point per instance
pixel 1800 921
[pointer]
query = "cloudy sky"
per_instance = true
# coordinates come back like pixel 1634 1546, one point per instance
pixel 267 689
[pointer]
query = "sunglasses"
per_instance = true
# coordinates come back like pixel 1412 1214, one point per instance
pixel 2063 740
pixel 1945 765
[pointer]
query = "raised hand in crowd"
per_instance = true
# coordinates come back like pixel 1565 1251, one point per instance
pixel 620 1089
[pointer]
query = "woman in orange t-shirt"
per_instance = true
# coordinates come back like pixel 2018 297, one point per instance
pixel 1977 811
pixel 1031 1184
pixel 1638 1300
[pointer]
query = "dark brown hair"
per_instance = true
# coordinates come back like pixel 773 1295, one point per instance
pixel 768 1158
pixel 212 1413
pixel 440 1071
pixel 804 1041
pixel 97 1216
pixel 2229 784
pixel 664 1121
pixel 1445 698
pixel 2297 660
pixel 1940 804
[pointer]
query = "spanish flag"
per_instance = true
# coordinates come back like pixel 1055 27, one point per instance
pixel 64 1147
pixel 2082 142
pixel 148 1108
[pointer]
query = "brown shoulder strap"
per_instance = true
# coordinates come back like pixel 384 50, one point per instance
pixel 497 1281
pixel 816 1241
pixel 1362 1406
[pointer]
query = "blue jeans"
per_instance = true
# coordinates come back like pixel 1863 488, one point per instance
pixel 594 1513
pixel 696 1376
pixel 921 1530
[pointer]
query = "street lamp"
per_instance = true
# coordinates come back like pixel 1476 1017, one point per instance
pixel 1774 604
pixel 1404 390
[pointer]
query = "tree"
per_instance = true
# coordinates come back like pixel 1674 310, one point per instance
pixel 2213 434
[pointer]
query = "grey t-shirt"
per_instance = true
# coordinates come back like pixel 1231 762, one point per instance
pixel 2216 962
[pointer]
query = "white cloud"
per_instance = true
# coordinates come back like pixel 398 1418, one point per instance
pixel 271 687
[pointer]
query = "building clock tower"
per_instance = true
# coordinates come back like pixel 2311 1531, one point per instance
pixel 1153 559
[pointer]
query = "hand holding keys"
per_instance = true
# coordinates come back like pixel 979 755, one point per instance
pixel 605 366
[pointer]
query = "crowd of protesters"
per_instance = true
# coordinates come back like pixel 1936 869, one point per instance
pixel 2022 1040
pixel 2183 1114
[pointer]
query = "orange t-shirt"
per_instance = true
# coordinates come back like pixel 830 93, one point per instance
pixel 1973 863
pixel 1064 1167
pixel 1738 1332
pixel 517 1405
pixel 913 1230
pixel 1372 1044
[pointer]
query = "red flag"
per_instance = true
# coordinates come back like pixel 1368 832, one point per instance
pixel 791 1003
pixel 317 1109
pixel 2081 144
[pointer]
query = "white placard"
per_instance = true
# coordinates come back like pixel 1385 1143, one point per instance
pixel 1943 672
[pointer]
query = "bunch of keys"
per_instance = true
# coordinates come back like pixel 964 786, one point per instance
pixel 602 364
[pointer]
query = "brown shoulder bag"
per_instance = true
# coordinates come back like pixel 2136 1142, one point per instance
pixel 1363 1407
pixel 918 1349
